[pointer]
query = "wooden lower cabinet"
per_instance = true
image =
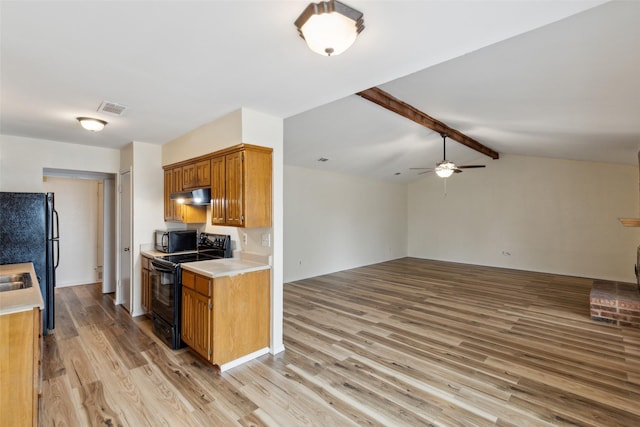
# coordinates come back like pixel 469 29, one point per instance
pixel 196 318
pixel 145 300
pixel 20 367
pixel 228 317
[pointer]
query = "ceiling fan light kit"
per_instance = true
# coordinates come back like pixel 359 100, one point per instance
pixel 91 124
pixel 329 27
pixel 445 169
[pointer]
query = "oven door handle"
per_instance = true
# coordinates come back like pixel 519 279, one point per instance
pixel 162 268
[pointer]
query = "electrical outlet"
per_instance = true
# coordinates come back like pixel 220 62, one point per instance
pixel 266 240
pixel 245 239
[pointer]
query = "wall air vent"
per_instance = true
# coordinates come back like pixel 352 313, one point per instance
pixel 112 108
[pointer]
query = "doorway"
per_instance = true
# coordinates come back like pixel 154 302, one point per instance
pixel 87 204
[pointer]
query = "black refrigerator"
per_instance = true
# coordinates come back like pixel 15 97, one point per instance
pixel 29 232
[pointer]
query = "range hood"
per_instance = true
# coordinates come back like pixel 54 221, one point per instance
pixel 198 197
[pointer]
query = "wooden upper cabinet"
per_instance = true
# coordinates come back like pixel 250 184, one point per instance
pixel 168 188
pixel 234 176
pixel 174 211
pixel 240 182
pixel 218 179
pixel 248 188
pixel 196 175
pixel 203 173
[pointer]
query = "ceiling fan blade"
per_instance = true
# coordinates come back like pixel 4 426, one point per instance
pixel 422 173
pixel 457 170
pixel 471 166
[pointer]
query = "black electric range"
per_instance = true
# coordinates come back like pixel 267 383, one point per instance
pixel 166 286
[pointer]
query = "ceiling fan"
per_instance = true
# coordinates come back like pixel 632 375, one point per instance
pixel 445 168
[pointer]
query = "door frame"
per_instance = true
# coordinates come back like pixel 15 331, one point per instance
pixel 119 244
pixel 110 213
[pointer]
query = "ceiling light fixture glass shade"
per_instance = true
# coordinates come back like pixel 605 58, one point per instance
pixel 329 27
pixel 89 123
pixel 445 169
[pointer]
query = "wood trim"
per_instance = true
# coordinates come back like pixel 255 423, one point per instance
pixel 385 100
pixel 630 222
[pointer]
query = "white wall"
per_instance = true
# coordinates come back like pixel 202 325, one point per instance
pixel 334 222
pixel 77 205
pixel 550 215
pixel 22 161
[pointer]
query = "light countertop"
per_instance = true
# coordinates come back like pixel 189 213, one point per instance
pixel 20 299
pixel 225 267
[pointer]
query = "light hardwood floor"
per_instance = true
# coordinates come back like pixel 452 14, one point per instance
pixel 402 343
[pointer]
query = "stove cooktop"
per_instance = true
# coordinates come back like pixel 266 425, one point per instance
pixel 191 257
pixel 210 246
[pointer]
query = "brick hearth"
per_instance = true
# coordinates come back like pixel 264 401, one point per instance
pixel 616 303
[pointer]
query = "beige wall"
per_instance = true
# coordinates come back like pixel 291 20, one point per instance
pixel 147 179
pixel 216 135
pixel 77 204
pixel 529 213
pixel 335 222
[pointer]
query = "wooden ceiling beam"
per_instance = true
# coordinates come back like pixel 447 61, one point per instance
pixel 385 100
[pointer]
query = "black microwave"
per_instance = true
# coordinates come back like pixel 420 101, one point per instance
pixel 176 240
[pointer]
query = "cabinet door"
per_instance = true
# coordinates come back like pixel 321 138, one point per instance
pixel 168 188
pixel 234 189
pixel 203 173
pixel 218 190
pixel 177 186
pixel 146 292
pixel 202 325
pixel 188 316
pixel 188 176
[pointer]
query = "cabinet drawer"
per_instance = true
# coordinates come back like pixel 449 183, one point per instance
pixel 203 285
pixel 145 263
pixel 189 279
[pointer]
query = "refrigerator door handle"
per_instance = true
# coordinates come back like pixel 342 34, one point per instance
pixel 56 234
pixel 56 238
pixel 57 243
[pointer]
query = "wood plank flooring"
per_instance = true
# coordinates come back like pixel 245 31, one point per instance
pixel 402 343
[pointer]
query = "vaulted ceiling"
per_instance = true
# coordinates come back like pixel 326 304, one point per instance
pixel 554 78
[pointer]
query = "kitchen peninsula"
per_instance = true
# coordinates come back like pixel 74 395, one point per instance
pixel 226 310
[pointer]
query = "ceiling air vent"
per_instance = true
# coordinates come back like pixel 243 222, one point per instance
pixel 112 108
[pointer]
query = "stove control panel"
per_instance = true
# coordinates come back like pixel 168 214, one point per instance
pixel 214 241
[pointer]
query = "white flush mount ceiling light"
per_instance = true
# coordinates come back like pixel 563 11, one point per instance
pixel 329 27
pixel 89 123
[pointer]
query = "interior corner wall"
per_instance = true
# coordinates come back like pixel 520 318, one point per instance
pixel 527 213
pixel 334 222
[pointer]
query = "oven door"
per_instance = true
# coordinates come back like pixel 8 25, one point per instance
pixel 163 286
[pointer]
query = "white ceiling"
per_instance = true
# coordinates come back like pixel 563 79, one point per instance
pixel 550 78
